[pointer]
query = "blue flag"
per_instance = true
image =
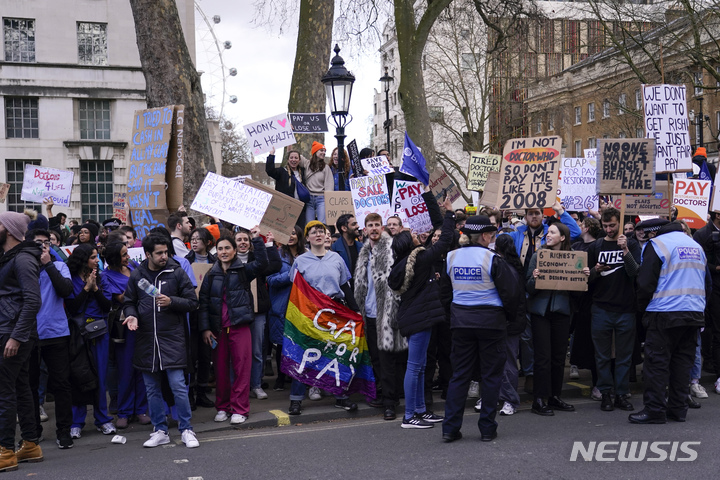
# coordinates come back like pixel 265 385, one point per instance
pixel 704 172
pixel 413 162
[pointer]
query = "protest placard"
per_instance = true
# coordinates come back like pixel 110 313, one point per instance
pixel 692 199
pixel 656 204
pixel 665 108
pixel 529 173
pixel 413 210
pixel 144 220
pixel 354 155
pixel 137 254
pixel 68 249
pixel 152 130
pixel 271 132
pixel 440 182
pixel 200 270
pixel 376 166
pixel 43 182
pixel 120 207
pixel 626 165
pixel 561 270
pixel 176 161
pixel 590 153
pixel 281 215
pixel 577 184
pixel 231 201
pixel 308 122
pixel 480 165
pixel 4 189
pixel 491 192
pixel 336 204
pixel 370 195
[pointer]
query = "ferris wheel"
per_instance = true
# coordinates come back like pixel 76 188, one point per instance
pixel 210 64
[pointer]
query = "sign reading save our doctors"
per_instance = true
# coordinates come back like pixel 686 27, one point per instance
pixel 231 201
pixel 370 195
pixel 42 182
pixel 274 132
pixel 529 173
pixel 692 199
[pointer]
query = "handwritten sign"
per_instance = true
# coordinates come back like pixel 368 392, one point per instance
pixel 370 195
pixel 692 200
pixel 231 201
pixel 561 270
pixel 354 155
pixel 271 132
pixel 144 220
pixel 376 165
pixel 137 254
pixel 715 197
pixel 151 134
pixel 590 153
pixel 529 172
pixel 577 184
pixel 282 212
pixel 480 165
pixel 120 207
pixel 665 108
pixel 412 208
pixel 200 270
pixel 308 122
pixel 4 189
pixel 656 204
pixel 175 171
pixel 440 182
pixel 43 182
pixel 491 193
pixel 626 165
pixel 336 204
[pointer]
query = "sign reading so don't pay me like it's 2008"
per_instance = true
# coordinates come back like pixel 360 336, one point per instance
pixel 529 173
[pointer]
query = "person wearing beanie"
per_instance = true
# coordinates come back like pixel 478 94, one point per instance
pixel 318 180
pixel 316 147
pixel 700 157
pixel 290 180
pixel 20 297
pixel 88 233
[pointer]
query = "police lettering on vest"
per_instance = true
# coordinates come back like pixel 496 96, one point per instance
pixel 469 271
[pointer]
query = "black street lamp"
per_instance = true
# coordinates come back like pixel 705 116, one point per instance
pixel 338 83
pixel 386 81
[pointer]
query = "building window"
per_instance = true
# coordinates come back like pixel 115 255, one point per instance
pixel 592 142
pixel 469 61
pixel 698 81
pixel 622 103
pixel 94 117
pixel 578 115
pixel 551 122
pixel 546 35
pixel 375 133
pixel 19 35
pixel 437 114
pixel 638 100
pixel 14 174
pixel 538 125
pixel 21 117
pixel 375 108
pixel 92 43
pixel 622 135
pixel 606 108
pixel 591 112
pixel 554 63
pixel 578 149
pixel 571 36
pixel 529 65
pixel 596 37
pixel 717 70
pixel 96 188
pixel 639 132
pixel 395 125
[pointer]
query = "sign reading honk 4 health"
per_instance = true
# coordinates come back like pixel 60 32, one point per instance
pixel 275 132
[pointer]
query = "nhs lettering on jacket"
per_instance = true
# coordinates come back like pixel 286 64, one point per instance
pixel 469 274
pixel 689 253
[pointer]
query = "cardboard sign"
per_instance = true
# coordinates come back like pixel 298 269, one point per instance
pixel 491 193
pixel 271 132
pixel 43 182
pixel 376 166
pixel 666 121
pixel 480 165
pixel 529 173
pixel 120 207
pixel 308 122
pixel 440 182
pixel 626 165
pixel 577 184
pixel 144 220
pixel 231 201
pixel 176 160
pixel 4 189
pixel 354 155
pixel 200 270
pixel 281 215
pixel 561 270
pixel 413 210
pixel 656 204
pixel 370 195
pixel 336 204
pixel 590 153
pixel 692 200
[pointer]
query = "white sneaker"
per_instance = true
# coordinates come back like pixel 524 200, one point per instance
pixel 221 416
pixel 237 419
pixel 698 391
pixel 107 428
pixel 507 409
pixel 478 406
pixel 158 437
pixel 258 393
pixel 717 386
pixel 189 439
pixel 595 394
pixel 574 374
pixel 474 390
pixel 43 416
pixel 315 393
pixel 75 432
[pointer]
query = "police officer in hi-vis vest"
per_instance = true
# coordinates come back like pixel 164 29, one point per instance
pixel 485 297
pixel 672 286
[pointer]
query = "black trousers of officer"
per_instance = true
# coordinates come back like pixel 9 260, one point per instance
pixel 469 344
pixel 669 356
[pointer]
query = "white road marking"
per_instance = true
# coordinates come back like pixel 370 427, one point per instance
pixel 285 431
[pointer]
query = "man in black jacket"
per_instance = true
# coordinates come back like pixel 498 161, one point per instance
pixel 157 312
pixel 19 305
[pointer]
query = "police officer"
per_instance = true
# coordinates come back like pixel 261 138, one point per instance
pixel 672 285
pixel 485 296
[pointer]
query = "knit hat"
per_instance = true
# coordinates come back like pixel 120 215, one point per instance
pixel 478 224
pixel 40 222
pixel 314 223
pixel 15 223
pixel 701 151
pixel 315 147
pixel 651 225
pixel 92 228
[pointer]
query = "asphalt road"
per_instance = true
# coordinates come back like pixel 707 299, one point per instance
pixel 528 446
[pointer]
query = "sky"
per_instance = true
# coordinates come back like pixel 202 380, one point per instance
pixel 264 60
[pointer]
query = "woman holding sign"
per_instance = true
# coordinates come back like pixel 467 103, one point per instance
pixel 550 312
pixel 290 180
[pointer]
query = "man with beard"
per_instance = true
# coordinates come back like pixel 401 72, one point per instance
pixel 347 245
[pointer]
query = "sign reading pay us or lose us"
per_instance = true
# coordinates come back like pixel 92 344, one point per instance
pixel 275 132
pixel 529 173
pixel 410 206
pixel 692 199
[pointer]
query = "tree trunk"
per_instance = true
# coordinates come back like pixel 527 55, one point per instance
pixel 312 60
pixel 172 79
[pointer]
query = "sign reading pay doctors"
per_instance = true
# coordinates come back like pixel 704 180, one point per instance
pixel 692 199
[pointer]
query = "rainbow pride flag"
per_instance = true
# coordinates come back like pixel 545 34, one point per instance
pixel 325 344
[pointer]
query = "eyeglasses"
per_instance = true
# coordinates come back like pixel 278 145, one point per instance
pixel 40 243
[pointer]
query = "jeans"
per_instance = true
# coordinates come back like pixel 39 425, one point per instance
pixel 509 387
pixel 257 330
pixel 603 325
pixel 156 404
pixel 15 395
pixel 315 208
pixel 415 374
pixel 550 341
pixel 697 365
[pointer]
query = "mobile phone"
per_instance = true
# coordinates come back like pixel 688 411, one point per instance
pixel 444 193
pixel 213 343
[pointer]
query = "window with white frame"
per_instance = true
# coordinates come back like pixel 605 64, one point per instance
pixel 606 108
pixel 94 119
pixel 622 134
pixel 19 39
pixel 622 104
pixel 578 115
pixel 96 188
pixel 591 112
pixel 538 125
pixel 592 142
pixel 14 175
pixel 551 122
pixel 638 100
pixel 92 43
pixel 21 117
pixel 578 148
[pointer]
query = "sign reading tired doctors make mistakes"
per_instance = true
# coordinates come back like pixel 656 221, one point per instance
pixel 274 132
pixel 529 173
pixel 666 121
pixel 626 165
pixel 561 270
pixel 480 165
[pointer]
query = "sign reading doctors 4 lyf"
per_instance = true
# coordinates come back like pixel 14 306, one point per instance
pixel 529 173
pixel 42 182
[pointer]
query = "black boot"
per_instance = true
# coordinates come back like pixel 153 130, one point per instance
pixel 203 401
pixel 539 407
